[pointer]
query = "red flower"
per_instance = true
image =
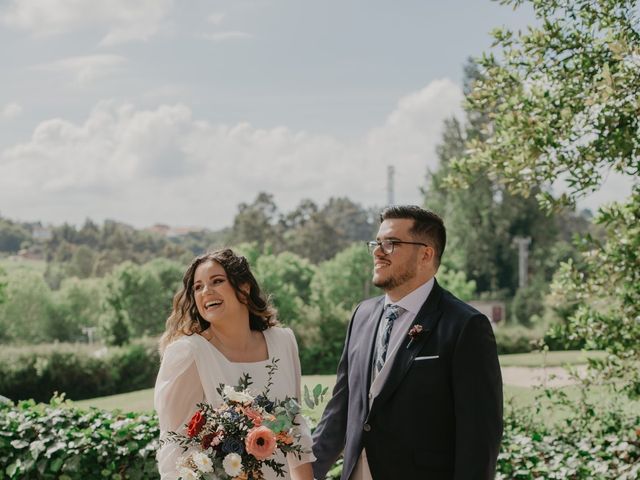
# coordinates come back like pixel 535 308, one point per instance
pixel 211 440
pixel 196 424
pixel 414 332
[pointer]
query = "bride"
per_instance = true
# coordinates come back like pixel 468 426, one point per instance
pixel 220 328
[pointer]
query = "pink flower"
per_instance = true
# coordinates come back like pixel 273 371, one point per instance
pixel 260 442
pixel 254 416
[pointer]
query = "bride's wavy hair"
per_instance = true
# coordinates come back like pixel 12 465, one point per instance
pixel 185 318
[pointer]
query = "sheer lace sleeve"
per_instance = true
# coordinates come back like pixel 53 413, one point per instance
pixel 303 429
pixel 177 392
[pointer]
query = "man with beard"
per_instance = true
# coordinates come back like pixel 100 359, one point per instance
pixel 418 390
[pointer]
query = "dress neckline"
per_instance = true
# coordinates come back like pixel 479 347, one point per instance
pixel 224 357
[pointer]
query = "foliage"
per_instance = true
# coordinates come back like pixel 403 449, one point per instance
pixel 61 442
pixel 527 306
pixel 456 282
pixel 605 292
pixel 516 339
pixel 310 231
pixel 3 285
pixel 286 278
pixel 563 107
pixel 27 305
pixel 483 218
pixel 138 299
pixel 344 280
pixel 562 100
pixel 12 236
pixel 94 250
pixel 39 371
pixel 608 448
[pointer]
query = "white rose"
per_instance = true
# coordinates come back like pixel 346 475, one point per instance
pixel 203 462
pixel 238 397
pixel 232 464
pixel 187 474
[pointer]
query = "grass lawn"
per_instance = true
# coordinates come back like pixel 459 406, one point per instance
pixel 548 359
pixel 142 400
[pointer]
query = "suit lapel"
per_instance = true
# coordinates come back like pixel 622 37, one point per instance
pixel 428 317
pixel 373 323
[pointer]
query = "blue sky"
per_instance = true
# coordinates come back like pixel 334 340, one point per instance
pixel 175 111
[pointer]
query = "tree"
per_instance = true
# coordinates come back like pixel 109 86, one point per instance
pixel 286 278
pixel 257 222
pixel 138 299
pixel 345 280
pixel 563 105
pixel 25 312
pixel 483 218
pixel 563 101
pixel 12 236
pixel 307 233
pixel 77 304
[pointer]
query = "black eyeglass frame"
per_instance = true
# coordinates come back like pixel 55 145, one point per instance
pixel 373 244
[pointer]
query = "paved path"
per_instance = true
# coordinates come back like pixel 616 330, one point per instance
pixel 529 377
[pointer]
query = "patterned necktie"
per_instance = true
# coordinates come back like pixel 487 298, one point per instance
pixel 392 312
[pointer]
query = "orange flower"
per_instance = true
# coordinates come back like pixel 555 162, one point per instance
pixel 260 442
pixel 284 437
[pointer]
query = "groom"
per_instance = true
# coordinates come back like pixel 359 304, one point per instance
pixel 418 391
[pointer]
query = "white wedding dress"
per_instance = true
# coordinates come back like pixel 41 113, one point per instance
pixel 191 371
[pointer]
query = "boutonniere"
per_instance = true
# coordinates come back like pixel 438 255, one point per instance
pixel 414 333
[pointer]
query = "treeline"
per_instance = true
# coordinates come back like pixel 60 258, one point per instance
pixel 133 301
pixel 314 232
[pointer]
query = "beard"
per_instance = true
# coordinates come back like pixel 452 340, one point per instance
pixel 408 272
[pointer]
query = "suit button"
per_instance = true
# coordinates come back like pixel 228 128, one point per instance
pixel 367 427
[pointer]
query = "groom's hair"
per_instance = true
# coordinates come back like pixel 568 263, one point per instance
pixel 427 225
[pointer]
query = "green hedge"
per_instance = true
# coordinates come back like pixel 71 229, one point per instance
pixel 38 372
pixel 60 441
pixel 57 441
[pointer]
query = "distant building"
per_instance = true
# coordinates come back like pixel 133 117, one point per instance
pixel 41 233
pixel 494 310
pixel 172 232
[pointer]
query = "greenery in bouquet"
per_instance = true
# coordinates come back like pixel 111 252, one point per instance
pixel 241 436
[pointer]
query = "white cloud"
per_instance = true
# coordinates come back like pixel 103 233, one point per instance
pixel 215 18
pixel 11 110
pixel 86 69
pixel 228 35
pixel 123 20
pixel 144 166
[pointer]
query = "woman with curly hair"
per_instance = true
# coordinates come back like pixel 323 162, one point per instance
pixel 222 327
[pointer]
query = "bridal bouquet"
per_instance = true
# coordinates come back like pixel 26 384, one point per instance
pixel 236 439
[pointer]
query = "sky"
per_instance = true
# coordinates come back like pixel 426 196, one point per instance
pixel 177 111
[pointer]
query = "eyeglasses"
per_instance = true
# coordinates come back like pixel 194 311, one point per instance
pixel 388 245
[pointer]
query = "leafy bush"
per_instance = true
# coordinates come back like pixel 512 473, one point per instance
pixel 516 339
pixel 594 442
pixel 61 442
pixel 38 372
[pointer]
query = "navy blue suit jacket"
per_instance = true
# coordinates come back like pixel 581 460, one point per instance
pixel 438 418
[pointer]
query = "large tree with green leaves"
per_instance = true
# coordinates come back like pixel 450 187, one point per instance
pixel 483 218
pixel 563 100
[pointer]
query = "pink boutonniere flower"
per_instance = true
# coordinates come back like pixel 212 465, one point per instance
pixel 414 333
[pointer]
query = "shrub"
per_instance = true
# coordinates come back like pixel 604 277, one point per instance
pixel 61 442
pixel 38 372
pixel 516 339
